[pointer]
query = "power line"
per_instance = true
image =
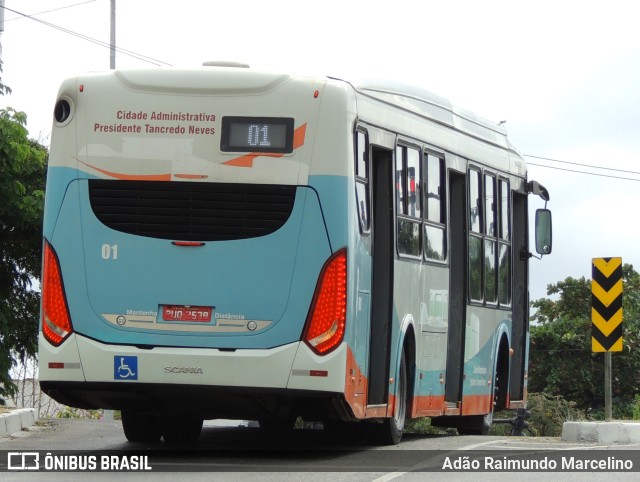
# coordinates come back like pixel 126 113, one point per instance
pixel 582 165
pixel 589 166
pixel 130 53
pixel 583 172
pixel 49 11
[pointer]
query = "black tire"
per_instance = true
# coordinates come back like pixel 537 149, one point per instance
pixel 389 431
pixel 481 424
pixel 477 424
pixel 343 432
pixel 279 424
pixel 181 430
pixel 141 428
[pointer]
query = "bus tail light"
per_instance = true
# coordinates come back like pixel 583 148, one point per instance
pixel 324 329
pixel 56 322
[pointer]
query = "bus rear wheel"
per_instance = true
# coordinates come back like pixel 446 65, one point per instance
pixel 181 429
pixel 141 427
pixel 477 424
pixel 481 424
pixel 282 424
pixel 389 431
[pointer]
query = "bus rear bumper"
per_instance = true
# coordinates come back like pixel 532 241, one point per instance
pixel 214 383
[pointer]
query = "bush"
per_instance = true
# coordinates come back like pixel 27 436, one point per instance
pixel 635 408
pixel 70 412
pixel 549 412
pixel 423 426
pixel 620 409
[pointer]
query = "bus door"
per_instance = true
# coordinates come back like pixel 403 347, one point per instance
pixel 457 289
pixel 382 276
pixel 520 297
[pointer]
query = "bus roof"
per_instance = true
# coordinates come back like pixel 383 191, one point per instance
pixel 234 78
pixel 432 106
pixel 411 98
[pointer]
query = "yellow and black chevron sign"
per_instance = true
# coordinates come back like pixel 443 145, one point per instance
pixel 606 304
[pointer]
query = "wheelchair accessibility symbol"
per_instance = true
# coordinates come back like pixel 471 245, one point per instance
pixel 125 367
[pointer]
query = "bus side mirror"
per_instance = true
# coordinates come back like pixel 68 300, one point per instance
pixel 543 231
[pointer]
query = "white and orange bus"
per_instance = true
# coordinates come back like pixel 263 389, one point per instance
pixel 222 242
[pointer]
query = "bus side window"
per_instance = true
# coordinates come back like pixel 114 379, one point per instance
pixel 504 245
pixel 362 181
pixel 435 215
pixel 490 242
pixel 400 180
pixel 414 184
pixel 475 235
pixel 408 200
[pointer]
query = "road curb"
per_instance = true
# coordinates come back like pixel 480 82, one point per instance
pixel 616 432
pixel 17 420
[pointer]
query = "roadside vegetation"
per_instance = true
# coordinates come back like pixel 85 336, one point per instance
pixel 22 183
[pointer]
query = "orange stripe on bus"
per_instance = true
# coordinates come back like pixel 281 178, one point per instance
pixel 130 177
pixel 298 136
pixel 190 176
pixel 476 404
pixel 427 405
pixel 243 161
pixel 356 384
pixel 434 405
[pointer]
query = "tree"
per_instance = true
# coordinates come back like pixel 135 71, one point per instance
pixel 22 182
pixel 561 360
pixel 3 88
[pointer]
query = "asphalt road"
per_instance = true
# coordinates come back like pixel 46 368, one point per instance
pixel 243 453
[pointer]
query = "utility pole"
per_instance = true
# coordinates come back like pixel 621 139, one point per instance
pixel 4 90
pixel 108 414
pixel 113 34
pixel 1 24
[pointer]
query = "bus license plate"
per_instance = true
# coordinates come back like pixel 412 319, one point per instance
pixel 186 313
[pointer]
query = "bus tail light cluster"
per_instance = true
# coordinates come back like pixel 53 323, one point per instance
pixel 324 329
pixel 56 322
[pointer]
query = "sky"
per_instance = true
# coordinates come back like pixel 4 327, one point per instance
pixel 564 75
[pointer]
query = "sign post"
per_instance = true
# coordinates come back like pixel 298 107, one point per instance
pixel 606 316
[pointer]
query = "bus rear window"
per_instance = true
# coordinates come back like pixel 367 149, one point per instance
pixel 257 134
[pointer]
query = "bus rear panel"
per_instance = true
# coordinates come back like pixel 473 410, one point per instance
pixel 185 222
